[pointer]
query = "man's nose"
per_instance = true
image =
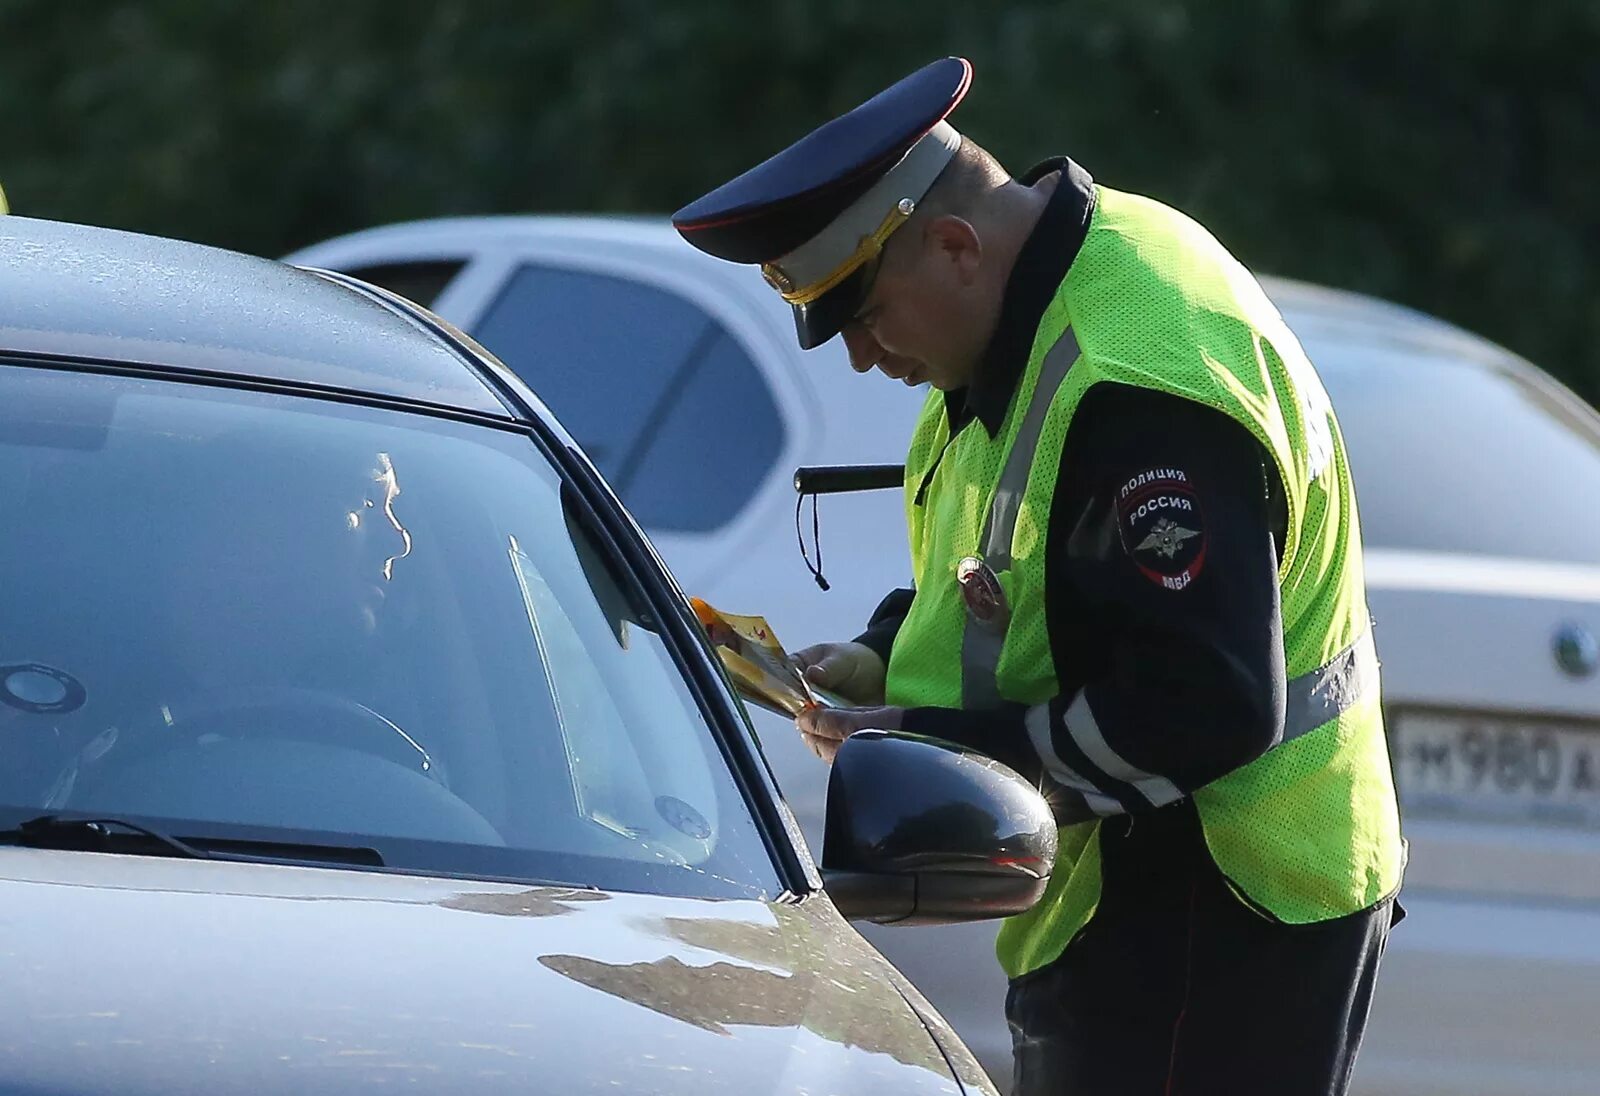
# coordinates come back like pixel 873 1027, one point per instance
pixel 864 349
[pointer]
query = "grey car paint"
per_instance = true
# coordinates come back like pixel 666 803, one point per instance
pixel 142 976
pixel 96 293
pixel 145 975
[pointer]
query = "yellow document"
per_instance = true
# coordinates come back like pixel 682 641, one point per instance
pixel 762 671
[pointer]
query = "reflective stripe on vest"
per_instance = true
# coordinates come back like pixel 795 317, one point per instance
pixel 982 642
pixel 1324 694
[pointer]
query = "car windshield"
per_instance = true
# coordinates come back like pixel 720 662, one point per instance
pixel 1457 456
pixel 249 616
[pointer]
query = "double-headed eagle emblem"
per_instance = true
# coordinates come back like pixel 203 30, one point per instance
pixel 1166 537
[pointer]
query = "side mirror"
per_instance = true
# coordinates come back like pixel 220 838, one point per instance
pixel 921 831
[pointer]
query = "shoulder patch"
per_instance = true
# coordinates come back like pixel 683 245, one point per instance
pixel 1162 529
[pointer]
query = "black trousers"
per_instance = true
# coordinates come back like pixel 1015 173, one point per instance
pixel 1178 987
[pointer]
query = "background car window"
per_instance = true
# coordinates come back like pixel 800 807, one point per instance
pixel 421 282
pixel 1453 456
pixel 244 614
pixel 643 379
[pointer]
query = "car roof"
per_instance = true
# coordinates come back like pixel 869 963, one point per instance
pixel 1317 310
pixel 625 227
pixel 99 294
pixel 1310 308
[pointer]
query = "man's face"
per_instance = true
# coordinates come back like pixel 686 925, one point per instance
pixel 916 322
pixel 298 563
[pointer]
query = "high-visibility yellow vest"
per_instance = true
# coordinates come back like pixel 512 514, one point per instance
pixel 1308 831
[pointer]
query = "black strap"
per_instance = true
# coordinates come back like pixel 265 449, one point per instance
pixel 816 538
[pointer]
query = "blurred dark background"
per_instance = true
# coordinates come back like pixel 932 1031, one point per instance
pixel 1442 155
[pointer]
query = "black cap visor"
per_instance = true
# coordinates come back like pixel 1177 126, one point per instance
pixel 825 317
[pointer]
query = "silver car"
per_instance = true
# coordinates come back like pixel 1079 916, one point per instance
pixel 352 736
pixel 1478 478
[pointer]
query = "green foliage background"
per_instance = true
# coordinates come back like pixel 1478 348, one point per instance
pixel 1446 155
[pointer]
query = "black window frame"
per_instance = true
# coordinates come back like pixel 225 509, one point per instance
pixel 435 265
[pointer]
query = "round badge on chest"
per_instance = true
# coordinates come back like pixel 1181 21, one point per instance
pixel 982 593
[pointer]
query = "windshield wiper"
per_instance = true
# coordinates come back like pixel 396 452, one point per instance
pixel 51 831
pixel 253 851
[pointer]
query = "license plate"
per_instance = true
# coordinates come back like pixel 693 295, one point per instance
pixel 1497 767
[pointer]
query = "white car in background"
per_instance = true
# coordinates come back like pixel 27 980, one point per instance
pixel 1479 483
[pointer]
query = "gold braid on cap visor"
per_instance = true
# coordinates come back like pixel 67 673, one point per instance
pixel 869 246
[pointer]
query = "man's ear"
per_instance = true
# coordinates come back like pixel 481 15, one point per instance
pixel 954 239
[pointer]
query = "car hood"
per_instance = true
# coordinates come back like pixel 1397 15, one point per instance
pixel 148 975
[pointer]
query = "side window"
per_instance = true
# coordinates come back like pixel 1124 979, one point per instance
pixel 661 397
pixel 420 282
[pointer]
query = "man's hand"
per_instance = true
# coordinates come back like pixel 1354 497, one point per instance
pixel 853 670
pixel 823 730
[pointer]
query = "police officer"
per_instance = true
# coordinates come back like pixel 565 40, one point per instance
pixel 1137 580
